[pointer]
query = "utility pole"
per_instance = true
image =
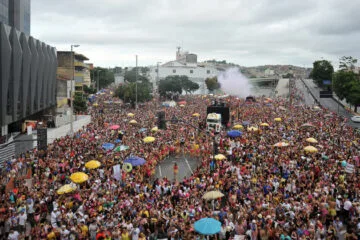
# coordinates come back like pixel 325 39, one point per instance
pixel 136 83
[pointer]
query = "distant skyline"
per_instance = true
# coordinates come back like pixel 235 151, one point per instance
pixel 249 33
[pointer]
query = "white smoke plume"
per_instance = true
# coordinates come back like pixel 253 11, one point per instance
pixel 233 82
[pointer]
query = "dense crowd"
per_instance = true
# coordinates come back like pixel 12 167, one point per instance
pixel 269 192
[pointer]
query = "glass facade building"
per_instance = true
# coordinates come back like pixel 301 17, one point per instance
pixel 16 13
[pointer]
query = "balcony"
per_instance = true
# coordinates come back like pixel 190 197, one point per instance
pixel 79 64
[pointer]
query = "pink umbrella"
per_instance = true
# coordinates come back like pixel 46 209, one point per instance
pixel 114 127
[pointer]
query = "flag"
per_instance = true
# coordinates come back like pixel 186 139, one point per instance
pixel 350 168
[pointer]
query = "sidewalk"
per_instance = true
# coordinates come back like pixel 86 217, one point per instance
pixel 345 105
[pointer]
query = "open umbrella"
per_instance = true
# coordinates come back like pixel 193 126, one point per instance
pixel 182 102
pixel 133 122
pixel 142 130
pixel 108 146
pixel 130 114
pixel 149 139
pixel 207 226
pixel 212 195
pixel 196 115
pixel 281 144
pixel 92 164
pixel 310 149
pixel 117 141
pixel 220 157
pixel 114 127
pixel 264 124
pixel 182 105
pixel 234 133
pixel 155 129
pixel 121 148
pixel 252 129
pixel 311 140
pixel 67 188
pixel 135 161
pixel 79 177
pixel 277 119
pixel 95 104
pixel 246 123
pixel 238 126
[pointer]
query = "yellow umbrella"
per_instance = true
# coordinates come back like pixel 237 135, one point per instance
pixel 79 177
pixel 95 104
pixel 264 124
pixel 130 114
pixel 154 129
pixel 311 140
pixel 149 139
pixel 220 157
pixel 92 164
pixel 182 105
pixel 253 129
pixel 67 188
pixel 277 119
pixel 238 126
pixel 281 144
pixel 212 195
pixel 133 122
pixel 310 149
pixel 196 115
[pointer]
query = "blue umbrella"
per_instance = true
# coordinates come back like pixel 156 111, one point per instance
pixel 234 133
pixel 246 123
pixel 117 140
pixel 142 130
pixel 108 146
pixel 207 226
pixel 135 161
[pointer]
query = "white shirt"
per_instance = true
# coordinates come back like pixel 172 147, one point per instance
pixel 135 234
pixel 22 219
pixel 347 205
pixel 14 236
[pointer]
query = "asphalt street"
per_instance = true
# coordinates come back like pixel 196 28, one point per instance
pixel 187 164
pixel 329 103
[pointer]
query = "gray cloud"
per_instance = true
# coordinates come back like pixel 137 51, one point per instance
pixel 247 32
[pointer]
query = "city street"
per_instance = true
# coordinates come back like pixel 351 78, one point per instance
pixel 185 163
pixel 325 102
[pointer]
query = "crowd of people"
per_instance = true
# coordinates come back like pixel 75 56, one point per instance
pixel 270 192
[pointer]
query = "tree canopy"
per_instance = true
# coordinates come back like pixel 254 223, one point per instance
pixel 212 84
pixel 127 92
pixel 177 84
pixel 347 63
pixel 106 76
pixel 130 76
pixel 79 103
pixel 346 85
pixel 322 70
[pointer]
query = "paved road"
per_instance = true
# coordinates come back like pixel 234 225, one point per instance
pixel 186 165
pixel 325 102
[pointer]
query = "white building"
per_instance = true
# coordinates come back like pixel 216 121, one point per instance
pixel 185 64
pixel 269 72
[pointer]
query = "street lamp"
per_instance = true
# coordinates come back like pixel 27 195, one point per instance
pixel 71 89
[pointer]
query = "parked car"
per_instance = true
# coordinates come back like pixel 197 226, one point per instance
pixel 356 119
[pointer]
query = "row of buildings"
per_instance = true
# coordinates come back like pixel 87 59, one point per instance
pixel 35 79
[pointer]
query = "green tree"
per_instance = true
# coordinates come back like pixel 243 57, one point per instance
pixel 187 85
pixel 130 76
pixel 106 76
pixel 170 84
pixel 346 85
pixel 288 75
pixel 79 103
pixel 89 90
pixel 347 63
pixel 322 70
pixel 127 92
pixel 212 84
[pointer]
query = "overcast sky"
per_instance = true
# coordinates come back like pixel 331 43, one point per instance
pixel 246 32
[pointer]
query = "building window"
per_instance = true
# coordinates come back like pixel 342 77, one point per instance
pixel 208 71
pixel 156 70
pixel 191 71
pixel 174 70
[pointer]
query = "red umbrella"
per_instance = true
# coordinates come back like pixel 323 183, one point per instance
pixel 182 102
pixel 114 127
